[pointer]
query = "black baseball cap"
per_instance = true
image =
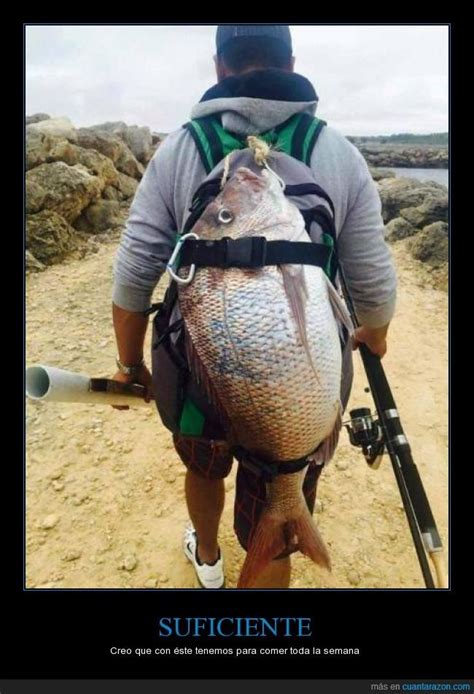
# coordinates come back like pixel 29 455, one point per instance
pixel 226 32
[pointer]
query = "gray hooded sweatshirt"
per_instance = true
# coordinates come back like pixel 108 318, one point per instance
pixel 163 198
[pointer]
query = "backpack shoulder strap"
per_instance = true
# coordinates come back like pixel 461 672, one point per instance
pixel 296 137
pixel 212 141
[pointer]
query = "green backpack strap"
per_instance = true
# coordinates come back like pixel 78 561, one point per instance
pixel 304 137
pixel 296 137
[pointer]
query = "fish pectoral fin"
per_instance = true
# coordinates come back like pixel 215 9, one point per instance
pixel 296 292
pixel 267 543
pixel 340 312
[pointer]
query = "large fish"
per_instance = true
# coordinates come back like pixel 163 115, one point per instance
pixel 265 344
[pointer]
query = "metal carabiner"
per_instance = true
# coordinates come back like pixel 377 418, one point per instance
pixel 174 255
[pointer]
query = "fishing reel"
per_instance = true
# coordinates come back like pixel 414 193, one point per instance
pixel 365 432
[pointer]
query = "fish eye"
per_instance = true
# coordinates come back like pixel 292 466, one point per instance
pixel 225 216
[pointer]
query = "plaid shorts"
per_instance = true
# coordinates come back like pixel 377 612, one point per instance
pixel 213 461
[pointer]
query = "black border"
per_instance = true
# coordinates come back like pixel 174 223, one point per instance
pixel 65 634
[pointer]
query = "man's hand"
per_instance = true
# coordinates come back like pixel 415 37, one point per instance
pixel 374 338
pixel 143 378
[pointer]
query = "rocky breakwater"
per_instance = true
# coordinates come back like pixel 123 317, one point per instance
pixel 79 184
pixel 416 212
pixel 405 156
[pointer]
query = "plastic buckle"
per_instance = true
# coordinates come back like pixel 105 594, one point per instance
pixel 249 252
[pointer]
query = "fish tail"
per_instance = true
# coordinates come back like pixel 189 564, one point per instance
pixel 267 543
pixel 310 541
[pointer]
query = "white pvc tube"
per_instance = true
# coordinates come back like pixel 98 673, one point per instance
pixel 49 384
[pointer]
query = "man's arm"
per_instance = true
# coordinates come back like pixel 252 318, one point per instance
pixel 140 261
pixel 130 330
pixel 367 264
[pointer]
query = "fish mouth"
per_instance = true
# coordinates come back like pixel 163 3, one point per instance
pixel 250 178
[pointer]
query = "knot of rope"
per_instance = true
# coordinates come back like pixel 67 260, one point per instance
pixel 259 148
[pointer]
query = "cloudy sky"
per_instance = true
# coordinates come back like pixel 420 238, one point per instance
pixel 370 80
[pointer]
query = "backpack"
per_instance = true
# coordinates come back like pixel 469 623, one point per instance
pixel 183 407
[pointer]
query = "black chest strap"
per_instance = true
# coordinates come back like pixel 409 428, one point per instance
pixel 252 252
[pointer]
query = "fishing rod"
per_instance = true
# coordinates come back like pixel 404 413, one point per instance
pixel 374 436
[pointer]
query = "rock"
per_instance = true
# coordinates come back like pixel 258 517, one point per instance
pixel 49 237
pixel 32 264
pixel 56 474
pixel 102 142
pixel 318 506
pixel 59 127
pixel 437 227
pixel 353 577
pixel 431 245
pixel 433 209
pixel 342 464
pixel 99 165
pixel 399 228
pixel 129 562
pixel 111 193
pixel 71 555
pixel 379 174
pixel 58 486
pixel 126 185
pixel 156 138
pixel 112 146
pixel 400 193
pixel 35 196
pixel 49 521
pixel 151 583
pixel 140 141
pixel 96 163
pixel 128 165
pixel 383 154
pixel 64 189
pixel 38 147
pixel 36 118
pixel 63 150
pixel 116 127
pixel 99 216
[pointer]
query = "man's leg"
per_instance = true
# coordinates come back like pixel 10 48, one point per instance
pixel 208 463
pixel 205 499
pixel 276 575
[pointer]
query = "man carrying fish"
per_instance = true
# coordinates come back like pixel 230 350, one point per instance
pixel 265 338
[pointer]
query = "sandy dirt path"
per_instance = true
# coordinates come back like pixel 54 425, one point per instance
pixel 104 489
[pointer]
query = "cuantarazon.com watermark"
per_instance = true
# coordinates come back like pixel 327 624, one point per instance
pixel 421 687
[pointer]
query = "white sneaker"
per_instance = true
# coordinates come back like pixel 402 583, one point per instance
pixel 209 575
